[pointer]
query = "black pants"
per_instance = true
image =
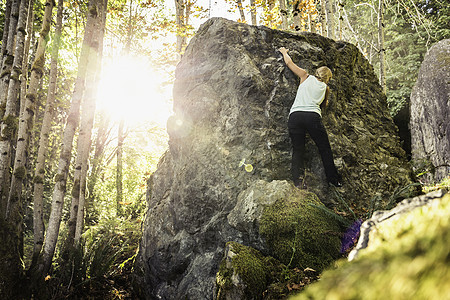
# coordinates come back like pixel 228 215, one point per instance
pixel 299 123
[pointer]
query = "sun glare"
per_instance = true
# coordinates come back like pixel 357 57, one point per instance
pixel 130 88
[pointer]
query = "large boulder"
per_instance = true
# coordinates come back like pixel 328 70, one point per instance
pixel 430 114
pixel 229 150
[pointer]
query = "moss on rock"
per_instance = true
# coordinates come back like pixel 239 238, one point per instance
pixel 299 233
pixel 245 273
pixel 243 269
pixel 415 266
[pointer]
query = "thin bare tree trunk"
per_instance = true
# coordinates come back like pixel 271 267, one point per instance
pixel 102 139
pixel 253 12
pixel 88 117
pixel 313 24
pixel 8 56
pixel 241 10
pixel 24 81
pixel 330 18
pixel 66 151
pixel 355 35
pixel 284 15
pixel 323 18
pixel 296 15
pixel 181 34
pixel 341 18
pixel 119 176
pixel 38 217
pixel 9 122
pixel 5 31
pixel 381 45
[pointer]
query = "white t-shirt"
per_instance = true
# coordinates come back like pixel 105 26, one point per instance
pixel 310 94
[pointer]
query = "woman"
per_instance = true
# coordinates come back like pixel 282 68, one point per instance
pixel 305 116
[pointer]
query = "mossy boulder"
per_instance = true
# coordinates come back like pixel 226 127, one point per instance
pixel 300 232
pixel 407 258
pixel 287 223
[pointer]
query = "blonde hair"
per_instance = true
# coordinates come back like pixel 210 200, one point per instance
pixel 324 74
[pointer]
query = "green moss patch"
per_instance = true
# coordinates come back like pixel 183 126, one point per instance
pixel 407 258
pixel 247 266
pixel 299 233
pixel 245 273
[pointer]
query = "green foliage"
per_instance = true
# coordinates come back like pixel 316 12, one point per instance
pixel 141 151
pixel 107 251
pixel 410 29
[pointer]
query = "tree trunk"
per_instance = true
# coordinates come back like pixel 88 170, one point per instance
pixel 8 55
pixel 181 30
pixel 84 170
pixel 25 122
pixel 284 14
pixel 66 151
pixel 296 15
pixel 5 28
pixel 381 44
pixel 313 24
pixel 341 18
pixel 102 140
pixel 5 31
pixel 87 120
pixel 9 122
pixel 253 12
pixel 323 17
pixel 330 18
pixel 119 196
pixel 130 27
pixel 355 35
pixel 11 231
pixel 241 10
pixel 24 80
pixel 7 61
pixel 38 218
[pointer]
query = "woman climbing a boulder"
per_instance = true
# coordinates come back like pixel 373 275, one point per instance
pixel 306 116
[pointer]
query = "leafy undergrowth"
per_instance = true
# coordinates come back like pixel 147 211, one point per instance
pixel 103 267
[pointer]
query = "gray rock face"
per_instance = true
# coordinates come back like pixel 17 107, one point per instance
pixel 430 113
pixel 232 96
